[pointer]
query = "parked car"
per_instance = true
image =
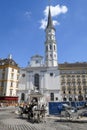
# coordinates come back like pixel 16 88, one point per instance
pixel 83 114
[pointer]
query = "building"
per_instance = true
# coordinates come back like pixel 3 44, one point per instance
pixel 9 74
pixel 73 78
pixel 41 79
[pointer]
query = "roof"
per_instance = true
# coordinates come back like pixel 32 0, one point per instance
pixel 8 61
pixel 50 22
pixel 76 65
pixel 36 56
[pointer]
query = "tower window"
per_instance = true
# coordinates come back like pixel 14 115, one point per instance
pixel 50 47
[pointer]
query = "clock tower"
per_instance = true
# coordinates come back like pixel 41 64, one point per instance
pixel 50 43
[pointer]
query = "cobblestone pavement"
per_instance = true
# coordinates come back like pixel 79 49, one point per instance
pixel 11 121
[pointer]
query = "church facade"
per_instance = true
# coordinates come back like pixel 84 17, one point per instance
pixel 40 78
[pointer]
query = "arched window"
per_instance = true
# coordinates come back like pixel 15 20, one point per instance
pixel 80 97
pixel 52 96
pixel 22 96
pixel 50 47
pixel 36 81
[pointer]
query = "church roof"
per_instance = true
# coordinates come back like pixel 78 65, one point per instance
pixel 36 56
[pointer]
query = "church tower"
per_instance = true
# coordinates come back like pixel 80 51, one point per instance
pixel 50 44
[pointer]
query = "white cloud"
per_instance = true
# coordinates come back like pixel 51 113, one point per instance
pixel 55 11
pixel 28 14
pixel 43 23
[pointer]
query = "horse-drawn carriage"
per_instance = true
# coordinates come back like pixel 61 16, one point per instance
pixel 33 112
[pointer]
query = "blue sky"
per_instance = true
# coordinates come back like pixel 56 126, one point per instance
pixel 22 32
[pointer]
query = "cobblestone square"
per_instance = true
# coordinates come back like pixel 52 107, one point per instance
pixel 11 121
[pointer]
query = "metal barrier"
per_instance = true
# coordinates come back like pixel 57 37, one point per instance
pixel 55 108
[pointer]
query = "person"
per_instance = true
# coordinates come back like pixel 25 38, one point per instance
pixel 42 107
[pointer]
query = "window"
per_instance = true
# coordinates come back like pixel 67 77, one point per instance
pixel 3 76
pixel 51 74
pixel 37 61
pixel 12 76
pixel 11 84
pixel 52 96
pixel 50 55
pixel 36 81
pixel 70 99
pixel 4 69
pixel 56 98
pixel 69 92
pixel 17 77
pixel 2 84
pixel 12 70
pixel 17 85
pixel 11 92
pixel 23 75
pixel 50 47
pixel 22 96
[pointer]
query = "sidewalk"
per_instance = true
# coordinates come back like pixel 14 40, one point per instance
pixel 7 108
pixel 63 119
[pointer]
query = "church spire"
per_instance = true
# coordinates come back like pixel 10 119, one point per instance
pixel 50 22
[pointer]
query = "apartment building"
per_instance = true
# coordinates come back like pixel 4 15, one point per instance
pixel 9 74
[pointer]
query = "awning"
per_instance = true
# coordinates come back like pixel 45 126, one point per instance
pixel 10 98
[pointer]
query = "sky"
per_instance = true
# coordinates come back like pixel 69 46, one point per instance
pixel 22 29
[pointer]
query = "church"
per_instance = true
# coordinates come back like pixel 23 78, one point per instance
pixel 40 80
pixel 50 81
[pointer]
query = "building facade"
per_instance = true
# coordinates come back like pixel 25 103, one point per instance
pixel 9 74
pixel 73 78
